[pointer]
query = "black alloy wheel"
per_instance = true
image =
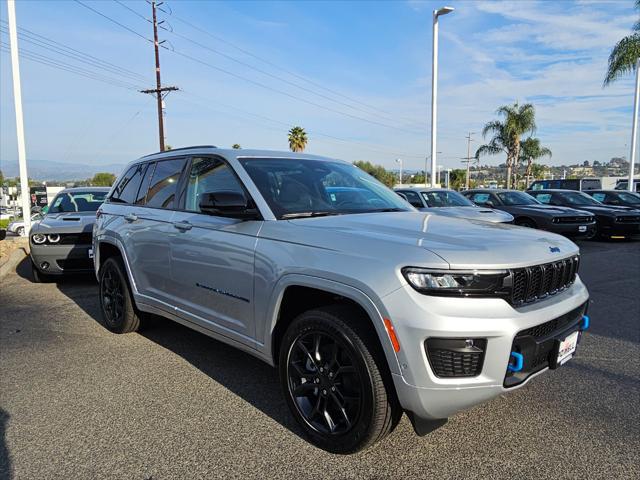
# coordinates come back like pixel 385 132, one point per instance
pixel 118 310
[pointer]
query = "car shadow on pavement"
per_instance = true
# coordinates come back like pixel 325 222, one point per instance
pixel 5 458
pixel 244 375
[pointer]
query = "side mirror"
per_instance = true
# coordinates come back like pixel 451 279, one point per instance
pixel 227 204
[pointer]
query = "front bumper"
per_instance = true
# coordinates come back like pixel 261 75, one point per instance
pixel 417 317
pixel 574 230
pixel 62 258
pixel 615 229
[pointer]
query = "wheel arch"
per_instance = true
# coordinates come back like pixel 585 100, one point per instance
pixel 108 247
pixel 295 294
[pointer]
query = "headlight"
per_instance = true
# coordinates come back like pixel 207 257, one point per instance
pixel 39 238
pixel 53 238
pixel 478 283
pixel 555 220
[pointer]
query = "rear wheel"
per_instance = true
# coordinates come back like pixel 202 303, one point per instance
pixel 116 302
pixel 333 381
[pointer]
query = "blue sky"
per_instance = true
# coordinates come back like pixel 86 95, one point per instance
pixel 365 87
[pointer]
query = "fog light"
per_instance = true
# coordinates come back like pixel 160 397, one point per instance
pixel 44 265
pixel 456 357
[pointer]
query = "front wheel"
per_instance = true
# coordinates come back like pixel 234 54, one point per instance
pixel 333 376
pixel 20 231
pixel 118 311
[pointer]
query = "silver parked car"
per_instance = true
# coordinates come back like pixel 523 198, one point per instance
pixel 368 307
pixel 17 226
pixel 442 201
pixel 61 241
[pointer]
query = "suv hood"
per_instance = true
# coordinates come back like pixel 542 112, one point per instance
pixel 459 242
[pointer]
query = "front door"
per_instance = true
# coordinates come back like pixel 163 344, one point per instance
pixel 212 258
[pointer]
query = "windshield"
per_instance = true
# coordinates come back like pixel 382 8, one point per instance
pixel 630 197
pixel 579 198
pixel 517 198
pixel 77 202
pixel 446 198
pixel 304 188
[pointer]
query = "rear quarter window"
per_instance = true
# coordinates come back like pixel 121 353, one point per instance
pixel 543 197
pixel 164 183
pixel 598 196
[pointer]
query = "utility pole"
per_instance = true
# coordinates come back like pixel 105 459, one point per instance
pixel 468 137
pixel 17 100
pixel 159 88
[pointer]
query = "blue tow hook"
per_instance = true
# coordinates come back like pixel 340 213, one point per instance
pixel 519 358
pixel 585 322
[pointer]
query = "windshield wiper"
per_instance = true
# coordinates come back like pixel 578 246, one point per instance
pixel 287 216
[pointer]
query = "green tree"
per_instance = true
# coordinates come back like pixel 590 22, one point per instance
pixel 1 178
pixel 103 179
pixel 505 134
pixel 378 172
pixel 297 139
pixel 236 146
pixel 624 56
pixel 530 152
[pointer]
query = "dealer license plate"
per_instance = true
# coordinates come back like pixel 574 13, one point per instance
pixel 567 348
pixel 91 253
pixel 582 228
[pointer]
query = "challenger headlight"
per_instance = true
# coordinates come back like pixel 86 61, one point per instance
pixel 465 283
pixel 39 238
pixel 53 238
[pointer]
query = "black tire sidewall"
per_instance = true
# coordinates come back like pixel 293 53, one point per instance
pixel 128 320
pixel 349 441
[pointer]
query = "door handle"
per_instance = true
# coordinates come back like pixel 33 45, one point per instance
pixel 183 226
pixel 131 217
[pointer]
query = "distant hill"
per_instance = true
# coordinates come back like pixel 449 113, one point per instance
pixel 48 170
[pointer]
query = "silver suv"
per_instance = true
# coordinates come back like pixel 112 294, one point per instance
pixel 367 307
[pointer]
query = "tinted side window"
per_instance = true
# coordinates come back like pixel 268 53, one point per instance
pixel 209 175
pixel 599 196
pixel 480 197
pixel 164 183
pixel 127 188
pixel 413 198
pixel 543 197
pixel 144 185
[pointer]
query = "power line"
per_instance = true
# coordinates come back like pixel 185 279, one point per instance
pixel 42 59
pixel 235 75
pixel 94 63
pixel 272 64
pixel 87 56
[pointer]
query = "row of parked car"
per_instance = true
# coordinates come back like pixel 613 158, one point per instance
pixel 368 308
pixel 611 214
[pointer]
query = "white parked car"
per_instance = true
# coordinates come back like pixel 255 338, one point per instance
pixel 17 226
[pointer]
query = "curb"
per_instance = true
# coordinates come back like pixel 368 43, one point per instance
pixel 12 262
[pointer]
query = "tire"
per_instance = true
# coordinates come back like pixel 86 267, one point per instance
pixel 118 311
pixel 526 222
pixel 338 393
pixel 38 276
pixel 20 231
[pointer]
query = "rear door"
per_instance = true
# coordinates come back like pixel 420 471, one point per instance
pixel 212 257
pixel 150 227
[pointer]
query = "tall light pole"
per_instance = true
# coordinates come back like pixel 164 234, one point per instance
pixel 17 100
pixel 434 88
pixel 634 128
pixel 399 160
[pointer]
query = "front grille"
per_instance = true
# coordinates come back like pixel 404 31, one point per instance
pixel 84 238
pixel 539 281
pixel 450 357
pixel 582 219
pixel 628 219
pixel 75 264
pixel 552 326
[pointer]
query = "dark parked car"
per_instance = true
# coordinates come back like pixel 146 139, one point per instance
pixel 61 242
pixel 528 212
pixel 582 184
pixel 613 221
pixel 616 197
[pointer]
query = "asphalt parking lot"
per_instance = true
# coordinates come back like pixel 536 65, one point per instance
pixel 79 402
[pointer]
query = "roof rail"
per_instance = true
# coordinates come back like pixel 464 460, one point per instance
pixel 181 148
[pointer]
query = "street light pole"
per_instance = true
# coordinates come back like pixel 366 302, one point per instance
pixel 434 89
pixel 399 160
pixel 17 100
pixel 634 128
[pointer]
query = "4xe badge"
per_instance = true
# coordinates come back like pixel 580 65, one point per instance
pixel 554 249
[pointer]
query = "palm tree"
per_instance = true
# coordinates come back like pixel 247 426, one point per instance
pixel 625 54
pixel 530 151
pixel 236 146
pixel 297 139
pixel 518 120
